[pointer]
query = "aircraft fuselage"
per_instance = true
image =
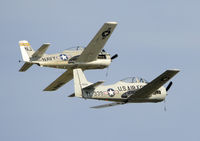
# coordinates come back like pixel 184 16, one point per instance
pixel 67 60
pixel 120 91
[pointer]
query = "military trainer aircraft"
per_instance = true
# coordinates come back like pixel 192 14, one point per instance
pixel 129 90
pixel 91 57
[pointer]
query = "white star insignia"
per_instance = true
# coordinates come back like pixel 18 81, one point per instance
pixel 63 57
pixel 111 92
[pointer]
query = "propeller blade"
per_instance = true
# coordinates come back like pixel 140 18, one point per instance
pixel 169 85
pixel 165 106
pixel 114 56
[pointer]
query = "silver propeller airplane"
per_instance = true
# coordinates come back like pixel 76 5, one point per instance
pixel 129 90
pixel 91 57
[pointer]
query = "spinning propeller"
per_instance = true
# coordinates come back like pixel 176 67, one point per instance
pixel 167 89
pixel 114 56
pixel 169 86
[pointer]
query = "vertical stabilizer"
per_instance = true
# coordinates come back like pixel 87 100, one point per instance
pixel 80 82
pixel 26 50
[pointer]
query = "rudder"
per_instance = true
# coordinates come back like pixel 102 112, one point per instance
pixel 26 50
pixel 80 82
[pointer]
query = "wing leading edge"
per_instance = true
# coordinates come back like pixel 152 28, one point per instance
pixel 95 46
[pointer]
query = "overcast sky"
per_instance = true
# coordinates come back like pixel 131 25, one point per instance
pixel 151 36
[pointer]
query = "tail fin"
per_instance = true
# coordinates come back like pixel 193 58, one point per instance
pixel 26 50
pixel 80 82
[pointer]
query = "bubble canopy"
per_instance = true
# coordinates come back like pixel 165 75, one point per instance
pixel 134 80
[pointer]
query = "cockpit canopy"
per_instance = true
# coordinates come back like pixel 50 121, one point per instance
pixel 134 80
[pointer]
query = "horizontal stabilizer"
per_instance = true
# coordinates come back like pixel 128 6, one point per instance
pixel 60 81
pixel 25 67
pixel 39 53
pixel 72 95
pixel 94 85
pixel 108 105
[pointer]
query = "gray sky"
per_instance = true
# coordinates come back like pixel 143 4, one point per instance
pixel 151 36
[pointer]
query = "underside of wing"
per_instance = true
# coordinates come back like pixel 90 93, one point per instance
pixel 108 105
pixel 60 81
pixel 154 85
pixel 25 67
pixel 91 52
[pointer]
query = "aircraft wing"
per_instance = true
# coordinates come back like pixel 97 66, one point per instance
pixel 60 81
pixel 41 50
pixel 108 105
pixel 90 53
pixel 154 85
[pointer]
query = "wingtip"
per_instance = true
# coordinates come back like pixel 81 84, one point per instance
pixel 46 89
pixel 71 95
pixel 175 70
pixel 47 43
pixel 111 22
